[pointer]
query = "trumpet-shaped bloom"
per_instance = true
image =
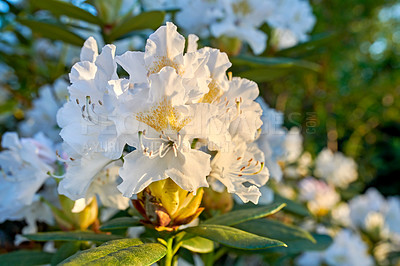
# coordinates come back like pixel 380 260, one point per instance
pixel 25 165
pixel 336 168
pixel 162 131
pixel 165 47
pixel 86 118
pixel 42 117
pixel 241 169
pixel 294 17
pixel 242 20
pixel 347 249
pixel 320 197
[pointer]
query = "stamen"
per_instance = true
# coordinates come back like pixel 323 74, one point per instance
pixel 230 76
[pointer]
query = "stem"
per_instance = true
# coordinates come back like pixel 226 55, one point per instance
pixel 170 254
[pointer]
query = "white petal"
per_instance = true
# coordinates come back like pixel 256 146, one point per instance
pixel 165 42
pixel 192 43
pixel 139 171
pixel 80 173
pixel 79 205
pixel 89 50
pixel 133 63
pixel 189 169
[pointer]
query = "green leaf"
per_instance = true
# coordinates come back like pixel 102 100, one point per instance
pixel 233 237
pixel 198 244
pixel 72 236
pixel 120 223
pixel 240 216
pixel 301 245
pixel 292 206
pixel 273 62
pixel 146 20
pixel 264 74
pixel 66 250
pixel 275 229
pixel 67 9
pixel 119 252
pixel 52 31
pixel 25 257
pixel 314 41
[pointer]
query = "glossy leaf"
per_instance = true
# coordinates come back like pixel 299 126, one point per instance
pixel 52 31
pixel 26 257
pixel 72 236
pixel 233 237
pixel 145 20
pixel 120 223
pixel 301 245
pixel 198 244
pixel 240 216
pixel 275 229
pixel 119 252
pixel 67 9
pixel 291 206
pixel 66 250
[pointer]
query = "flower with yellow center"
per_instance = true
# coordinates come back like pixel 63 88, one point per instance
pixel 165 48
pixel 162 131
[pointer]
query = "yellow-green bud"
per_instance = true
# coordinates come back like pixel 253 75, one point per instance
pixel 68 220
pixel 221 202
pixel 166 206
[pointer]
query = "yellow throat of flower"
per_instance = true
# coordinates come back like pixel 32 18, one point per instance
pixel 242 8
pixel 163 116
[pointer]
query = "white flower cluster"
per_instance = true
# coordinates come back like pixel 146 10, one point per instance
pixel 24 167
pixel 336 168
pixel 292 20
pixel 347 249
pixel 177 116
pixel 372 213
pixel 42 117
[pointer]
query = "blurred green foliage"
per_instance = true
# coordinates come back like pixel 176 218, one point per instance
pixel 352 104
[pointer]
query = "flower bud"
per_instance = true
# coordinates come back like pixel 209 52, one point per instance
pixel 229 45
pixel 69 220
pixel 166 206
pixel 217 201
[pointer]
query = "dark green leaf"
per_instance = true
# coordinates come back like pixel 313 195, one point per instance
pixel 198 244
pixel 264 74
pixel 26 257
pixel 120 223
pixel 52 31
pixel 119 252
pixel 66 250
pixel 301 245
pixel 273 62
pixel 72 236
pixel 292 206
pixel 240 216
pixel 146 20
pixel 233 237
pixel 67 9
pixel 275 229
pixel 316 40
